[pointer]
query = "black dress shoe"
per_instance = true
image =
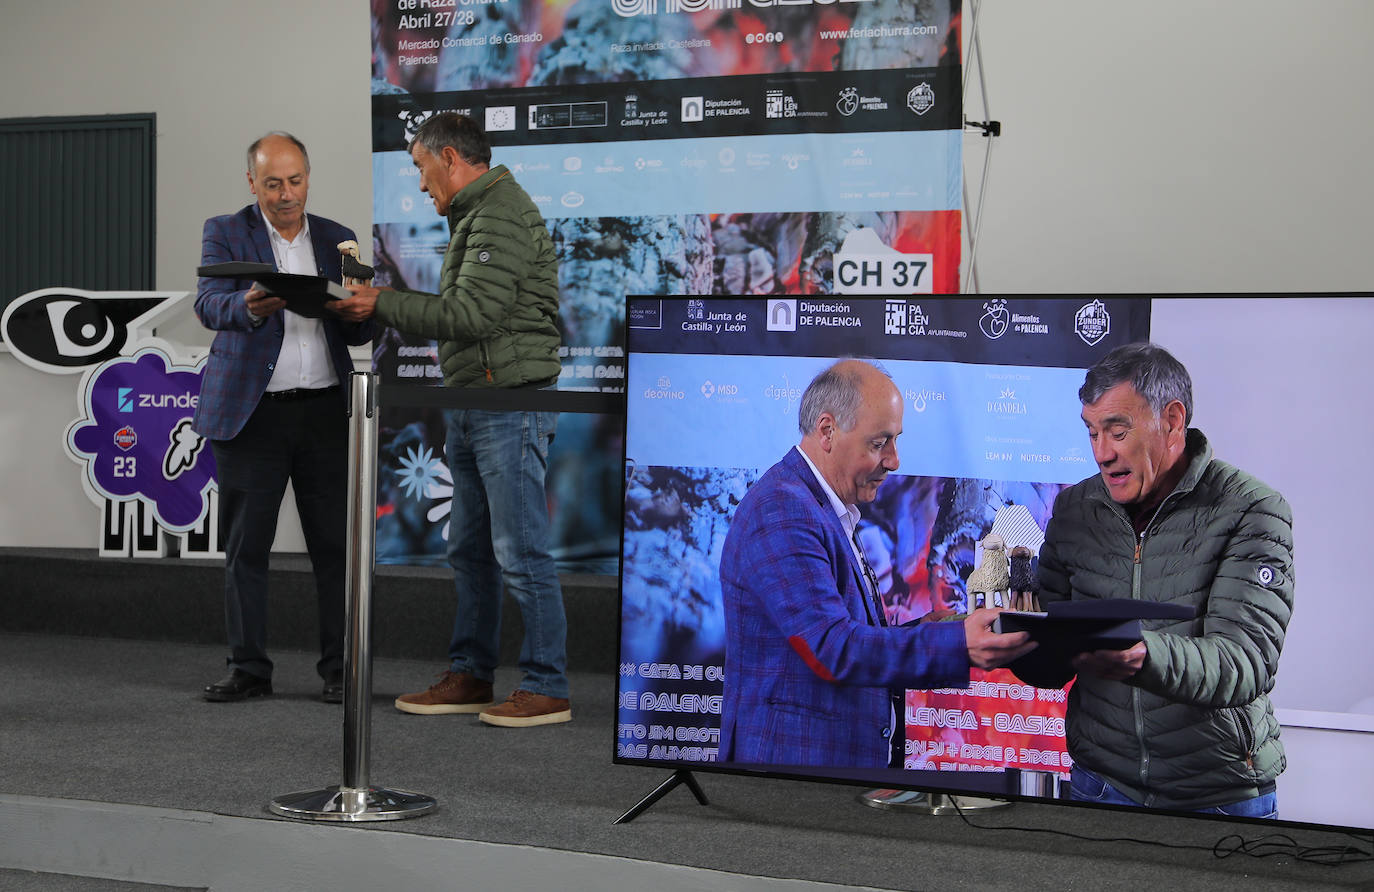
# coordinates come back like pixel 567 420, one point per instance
pixel 333 688
pixel 237 685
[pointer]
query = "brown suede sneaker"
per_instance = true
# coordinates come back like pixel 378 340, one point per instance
pixel 523 709
pixel 454 692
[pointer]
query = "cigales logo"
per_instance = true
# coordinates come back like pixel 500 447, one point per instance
pixel 785 394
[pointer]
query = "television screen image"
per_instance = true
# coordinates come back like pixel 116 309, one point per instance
pixel 990 435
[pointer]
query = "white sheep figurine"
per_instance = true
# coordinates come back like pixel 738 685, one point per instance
pixel 991 576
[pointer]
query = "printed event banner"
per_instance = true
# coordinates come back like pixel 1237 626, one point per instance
pixel 990 436
pixel 768 147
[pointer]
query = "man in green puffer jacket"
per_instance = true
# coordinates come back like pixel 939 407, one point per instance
pixel 1180 720
pixel 495 318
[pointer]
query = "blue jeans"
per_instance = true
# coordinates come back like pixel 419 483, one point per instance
pixel 499 532
pixel 1087 786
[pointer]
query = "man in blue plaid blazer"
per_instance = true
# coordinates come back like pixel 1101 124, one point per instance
pixel 274 407
pixel 810 661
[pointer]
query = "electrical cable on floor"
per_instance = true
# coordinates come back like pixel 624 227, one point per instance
pixel 1268 846
pixel 1280 844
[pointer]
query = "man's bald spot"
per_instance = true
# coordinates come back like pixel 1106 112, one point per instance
pixel 873 384
pixel 270 142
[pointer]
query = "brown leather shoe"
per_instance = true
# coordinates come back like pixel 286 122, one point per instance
pixel 525 708
pixel 454 692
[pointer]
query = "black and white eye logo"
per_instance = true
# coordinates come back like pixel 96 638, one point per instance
pixel 65 330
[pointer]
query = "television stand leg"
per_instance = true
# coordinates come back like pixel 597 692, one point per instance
pixel 927 803
pixel 681 776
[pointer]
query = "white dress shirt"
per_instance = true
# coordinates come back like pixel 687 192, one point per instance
pixel 304 359
pixel 848 514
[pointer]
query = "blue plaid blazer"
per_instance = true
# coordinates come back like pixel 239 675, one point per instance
pixel 242 357
pixel 807 670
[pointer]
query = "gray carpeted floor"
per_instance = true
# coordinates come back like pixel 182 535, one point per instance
pixel 122 721
pixel 30 881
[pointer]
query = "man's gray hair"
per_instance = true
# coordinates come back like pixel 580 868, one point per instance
pixel 257 143
pixel 1150 369
pixel 455 131
pixel 835 390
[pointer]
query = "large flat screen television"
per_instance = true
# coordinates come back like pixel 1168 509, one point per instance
pixel 991 434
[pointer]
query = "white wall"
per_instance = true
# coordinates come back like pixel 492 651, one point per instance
pixel 1276 390
pixel 1176 145
pixel 1170 146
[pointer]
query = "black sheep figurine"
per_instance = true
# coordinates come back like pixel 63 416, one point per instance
pixel 1024 583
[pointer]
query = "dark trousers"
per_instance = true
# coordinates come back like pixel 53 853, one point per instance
pixel 304 441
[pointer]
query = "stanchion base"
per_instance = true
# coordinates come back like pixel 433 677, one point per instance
pixel 928 803
pixel 348 804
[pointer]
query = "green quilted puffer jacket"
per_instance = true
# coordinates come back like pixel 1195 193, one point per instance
pixel 496 312
pixel 1194 728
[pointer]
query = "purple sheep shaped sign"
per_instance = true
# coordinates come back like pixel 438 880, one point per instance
pixel 136 447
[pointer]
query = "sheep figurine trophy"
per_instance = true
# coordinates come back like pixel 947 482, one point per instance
pixel 991 578
pixel 1024 581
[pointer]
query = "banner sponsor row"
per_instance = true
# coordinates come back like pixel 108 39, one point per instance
pixel 1060 332
pixel 760 174
pixel 960 420
pixel 887 100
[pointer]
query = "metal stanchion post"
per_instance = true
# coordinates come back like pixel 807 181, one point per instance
pixel 355 799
